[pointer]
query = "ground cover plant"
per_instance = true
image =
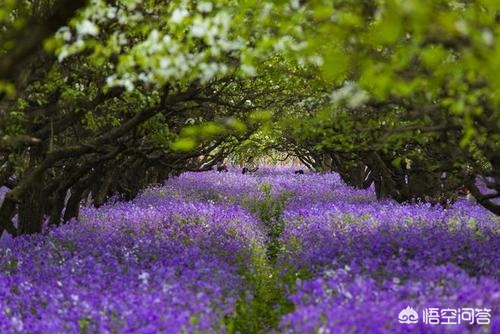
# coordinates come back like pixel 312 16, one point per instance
pixel 114 114
pixel 272 251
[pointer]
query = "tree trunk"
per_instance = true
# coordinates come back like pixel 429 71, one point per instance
pixel 7 211
pixel 57 207
pixel 31 210
pixel 73 206
pixel 101 192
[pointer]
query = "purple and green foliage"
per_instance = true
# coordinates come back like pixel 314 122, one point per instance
pixel 156 264
pixel 225 252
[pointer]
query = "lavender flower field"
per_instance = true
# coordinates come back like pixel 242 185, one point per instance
pixel 212 252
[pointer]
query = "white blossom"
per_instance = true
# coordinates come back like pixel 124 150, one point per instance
pixel 462 27
pixel 145 77
pixel 205 7
pixel 178 15
pixel 358 99
pixel 165 62
pixel 132 4
pixel 122 39
pixel 223 19
pixel 111 12
pixel 248 70
pixel 228 45
pixel 17 324
pixel 74 298
pixel 266 10
pixel 137 16
pixel 144 277
pixel 488 37
pixel 122 19
pixel 350 94
pixel 316 60
pixel 64 33
pixel 154 35
pixel 128 84
pixel 199 27
pixel 208 71
pixel 110 81
pixel 181 63
pixel 63 54
pixel 294 4
pixel 87 28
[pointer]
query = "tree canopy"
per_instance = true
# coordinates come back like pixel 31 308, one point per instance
pixel 103 97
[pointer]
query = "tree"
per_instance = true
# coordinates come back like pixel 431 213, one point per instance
pixel 416 96
pixel 128 101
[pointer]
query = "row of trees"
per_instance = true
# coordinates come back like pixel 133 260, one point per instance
pixel 123 94
pixel 414 108
pixel 106 97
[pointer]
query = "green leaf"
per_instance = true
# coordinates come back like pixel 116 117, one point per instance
pixel 396 162
pixel 260 116
pixel 336 65
pixel 183 145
